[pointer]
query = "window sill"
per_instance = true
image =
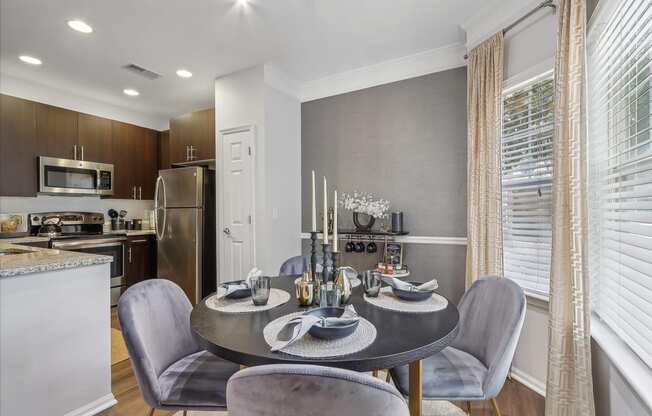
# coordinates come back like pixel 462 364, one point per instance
pixel 538 300
pixel 632 369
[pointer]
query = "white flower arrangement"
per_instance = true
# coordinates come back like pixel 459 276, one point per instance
pixel 365 203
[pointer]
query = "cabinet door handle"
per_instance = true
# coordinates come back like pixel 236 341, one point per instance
pixel 82 152
pixel 138 241
pixel 192 153
pixel 74 152
pixel 140 192
pixel 187 153
pixel 129 251
pixel 133 192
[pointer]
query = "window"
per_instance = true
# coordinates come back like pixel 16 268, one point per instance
pixel 620 174
pixel 527 132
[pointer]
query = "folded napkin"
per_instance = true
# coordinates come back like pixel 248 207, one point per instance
pixel 401 285
pixel 246 284
pixel 299 326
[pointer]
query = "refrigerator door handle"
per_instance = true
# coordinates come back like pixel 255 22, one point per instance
pixel 160 187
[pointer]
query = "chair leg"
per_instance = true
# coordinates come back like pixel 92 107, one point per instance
pixel 151 411
pixel 185 412
pixel 388 377
pixel 468 407
pixel 494 403
pixel 375 373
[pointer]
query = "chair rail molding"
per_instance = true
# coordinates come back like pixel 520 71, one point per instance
pixel 455 241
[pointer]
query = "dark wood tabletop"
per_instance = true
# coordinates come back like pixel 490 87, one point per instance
pixel 402 337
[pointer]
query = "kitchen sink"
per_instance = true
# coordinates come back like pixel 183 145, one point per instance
pixel 10 251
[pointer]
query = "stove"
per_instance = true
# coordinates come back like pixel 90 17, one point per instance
pixel 84 232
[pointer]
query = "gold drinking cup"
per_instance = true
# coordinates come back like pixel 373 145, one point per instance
pixel 304 292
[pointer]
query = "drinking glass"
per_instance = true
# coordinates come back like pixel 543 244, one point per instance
pixel 371 282
pixel 260 287
pixel 331 295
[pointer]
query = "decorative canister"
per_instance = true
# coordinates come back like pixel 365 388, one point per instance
pixel 397 222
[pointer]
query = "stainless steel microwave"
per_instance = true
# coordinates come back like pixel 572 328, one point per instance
pixel 66 176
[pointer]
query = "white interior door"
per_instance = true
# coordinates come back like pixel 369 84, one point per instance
pixel 237 205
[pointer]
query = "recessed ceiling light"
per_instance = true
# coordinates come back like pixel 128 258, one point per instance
pixel 30 60
pixel 131 92
pixel 184 73
pixel 80 26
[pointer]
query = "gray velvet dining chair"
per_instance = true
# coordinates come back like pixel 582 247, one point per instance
pixel 297 265
pixel 173 371
pixel 297 390
pixel 474 367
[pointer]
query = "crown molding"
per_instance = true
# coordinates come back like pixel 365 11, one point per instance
pixel 427 62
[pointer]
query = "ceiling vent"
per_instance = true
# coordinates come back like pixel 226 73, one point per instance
pixel 139 70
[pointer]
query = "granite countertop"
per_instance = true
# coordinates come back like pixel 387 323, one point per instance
pixel 26 239
pixel 39 260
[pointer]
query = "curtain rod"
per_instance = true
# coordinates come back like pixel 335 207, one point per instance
pixel 543 5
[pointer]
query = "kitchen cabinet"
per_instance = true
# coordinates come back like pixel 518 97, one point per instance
pixel 164 150
pixel 18 147
pixel 141 259
pixel 29 129
pixel 56 131
pixel 192 137
pixel 94 139
pixel 135 161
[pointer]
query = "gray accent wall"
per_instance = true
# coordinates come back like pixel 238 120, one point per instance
pixel 405 142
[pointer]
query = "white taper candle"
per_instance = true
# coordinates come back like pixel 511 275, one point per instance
pixel 314 204
pixel 335 223
pixel 325 212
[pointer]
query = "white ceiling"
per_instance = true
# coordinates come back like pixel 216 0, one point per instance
pixel 307 39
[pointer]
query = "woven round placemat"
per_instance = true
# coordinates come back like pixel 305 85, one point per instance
pixel 277 297
pixel 355 282
pixel 310 347
pixel 387 300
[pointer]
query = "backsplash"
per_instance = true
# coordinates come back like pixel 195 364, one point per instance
pixel 47 203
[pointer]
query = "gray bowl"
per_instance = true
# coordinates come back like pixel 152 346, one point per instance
pixel 238 294
pixel 413 295
pixel 330 332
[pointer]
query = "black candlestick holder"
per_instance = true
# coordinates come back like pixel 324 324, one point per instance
pixel 313 255
pixel 325 271
pixel 334 260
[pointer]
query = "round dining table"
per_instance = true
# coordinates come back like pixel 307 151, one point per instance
pixel 401 339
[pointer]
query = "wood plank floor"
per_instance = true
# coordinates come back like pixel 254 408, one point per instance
pixel 514 400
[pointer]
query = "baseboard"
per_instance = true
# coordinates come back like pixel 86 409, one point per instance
pixel 528 381
pixel 95 406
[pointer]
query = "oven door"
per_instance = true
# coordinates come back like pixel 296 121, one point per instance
pixel 114 247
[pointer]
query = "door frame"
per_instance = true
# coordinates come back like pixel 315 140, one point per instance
pixel 220 191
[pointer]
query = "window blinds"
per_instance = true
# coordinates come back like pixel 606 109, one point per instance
pixel 620 170
pixel 527 132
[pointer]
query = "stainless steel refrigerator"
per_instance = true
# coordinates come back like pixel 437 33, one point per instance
pixel 184 204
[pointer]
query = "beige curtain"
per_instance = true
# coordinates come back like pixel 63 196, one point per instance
pixel 569 388
pixel 484 250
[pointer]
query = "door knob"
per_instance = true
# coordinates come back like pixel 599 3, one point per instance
pixel 227 231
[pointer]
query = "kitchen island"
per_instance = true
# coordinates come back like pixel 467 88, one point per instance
pixel 55 346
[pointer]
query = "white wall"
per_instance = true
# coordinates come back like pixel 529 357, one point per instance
pixel 16 87
pixel 283 135
pixel 47 203
pixel 246 98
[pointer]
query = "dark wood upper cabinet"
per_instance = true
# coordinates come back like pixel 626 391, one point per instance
pixel 192 136
pixel 149 164
pixel 204 134
pixel 94 139
pixel 164 150
pixel 123 168
pixel 56 131
pixel 18 147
